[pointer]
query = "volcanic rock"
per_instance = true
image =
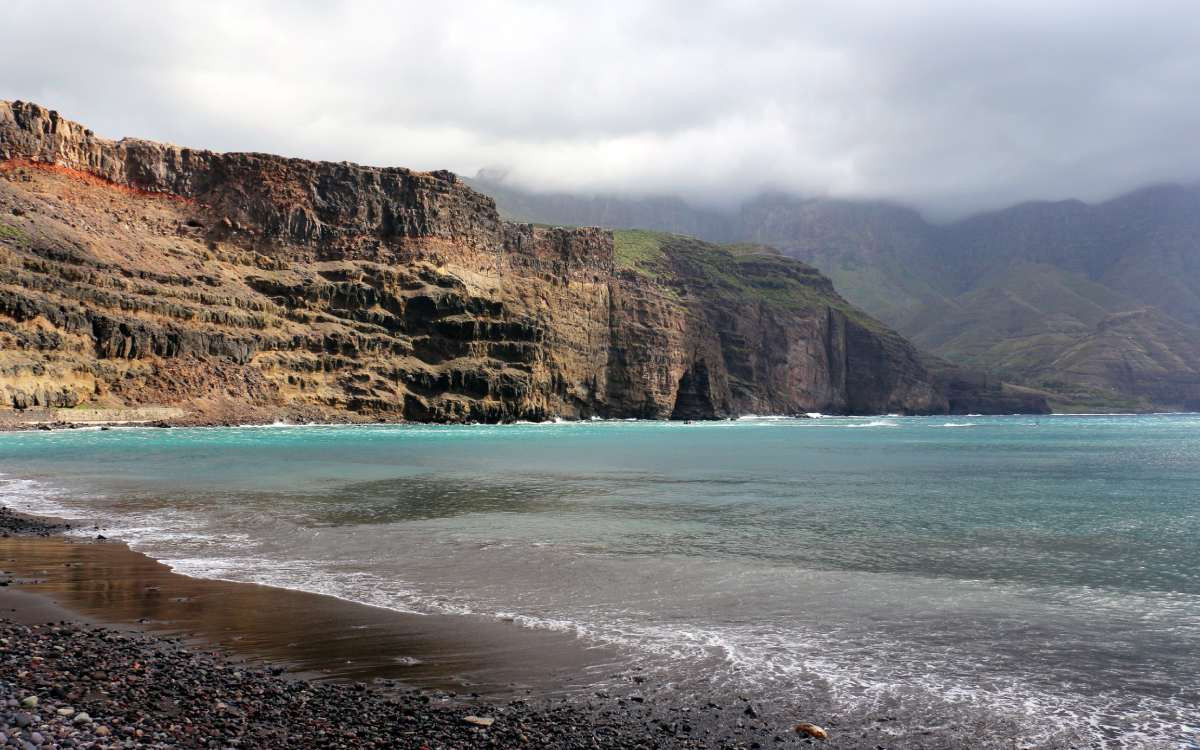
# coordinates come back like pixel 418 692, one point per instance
pixel 250 287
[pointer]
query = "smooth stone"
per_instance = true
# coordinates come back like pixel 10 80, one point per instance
pixel 81 718
pixel 810 730
pixel 30 702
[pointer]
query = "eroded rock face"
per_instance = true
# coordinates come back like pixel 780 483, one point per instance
pixel 248 286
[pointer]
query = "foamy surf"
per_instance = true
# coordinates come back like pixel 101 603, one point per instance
pixel 782 664
pixel 36 499
pixel 619 534
pixel 778 665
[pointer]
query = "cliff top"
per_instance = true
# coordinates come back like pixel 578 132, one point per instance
pixel 44 123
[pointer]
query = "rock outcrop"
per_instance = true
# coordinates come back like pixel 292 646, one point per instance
pixel 249 286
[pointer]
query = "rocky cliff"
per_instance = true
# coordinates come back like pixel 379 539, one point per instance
pixel 250 287
pixel 1095 306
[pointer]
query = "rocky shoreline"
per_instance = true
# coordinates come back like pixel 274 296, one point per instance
pixel 75 678
pixel 70 685
pixel 80 684
pixel 12 524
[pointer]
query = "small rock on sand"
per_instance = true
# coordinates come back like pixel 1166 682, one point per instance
pixel 811 730
pixel 480 721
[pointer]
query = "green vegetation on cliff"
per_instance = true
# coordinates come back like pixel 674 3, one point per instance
pixel 639 251
pixel 742 271
pixel 12 233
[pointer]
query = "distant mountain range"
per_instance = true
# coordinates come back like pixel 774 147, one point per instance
pixel 1096 305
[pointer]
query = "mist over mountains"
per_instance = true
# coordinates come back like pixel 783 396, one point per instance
pixel 1097 304
pixel 947 106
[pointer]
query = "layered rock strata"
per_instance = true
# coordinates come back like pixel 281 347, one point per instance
pixel 250 287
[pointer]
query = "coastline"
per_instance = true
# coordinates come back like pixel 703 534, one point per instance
pixel 315 635
pixel 9 423
pixel 392 679
pixel 314 670
pixel 74 685
pixel 214 522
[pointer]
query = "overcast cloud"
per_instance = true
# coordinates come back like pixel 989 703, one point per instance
pixel 947 106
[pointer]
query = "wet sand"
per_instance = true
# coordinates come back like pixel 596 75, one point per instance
pixel 317 636
pixel 67 601
pixel 472 682
pixel 340 648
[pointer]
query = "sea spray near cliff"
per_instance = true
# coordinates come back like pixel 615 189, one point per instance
pixel 1039 567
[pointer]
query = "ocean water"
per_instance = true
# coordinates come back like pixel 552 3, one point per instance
pixel 1047 570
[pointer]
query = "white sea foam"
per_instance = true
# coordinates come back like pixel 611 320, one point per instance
pixel 764 418
pixel 761 659
pixel 36 499
pixel 755 658
pixel 743 657
pixel 308 576
pixel 737 657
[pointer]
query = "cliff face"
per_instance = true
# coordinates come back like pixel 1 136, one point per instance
pixel 1032 293
pixel 248 286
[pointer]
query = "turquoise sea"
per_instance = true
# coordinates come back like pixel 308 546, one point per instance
pixel 1041 568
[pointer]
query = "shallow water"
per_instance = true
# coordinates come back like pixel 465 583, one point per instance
pixel 1046 568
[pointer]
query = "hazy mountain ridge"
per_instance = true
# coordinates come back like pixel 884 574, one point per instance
pixel 1096 303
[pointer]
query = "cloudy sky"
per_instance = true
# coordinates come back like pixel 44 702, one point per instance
pixel 948 106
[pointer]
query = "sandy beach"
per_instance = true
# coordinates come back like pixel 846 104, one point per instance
pixel 100 646
pixel 315 635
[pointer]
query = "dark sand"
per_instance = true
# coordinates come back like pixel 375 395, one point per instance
pixel 320 636
pixel 117 676
pixel 370 677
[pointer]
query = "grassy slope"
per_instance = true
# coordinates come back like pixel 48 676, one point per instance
pixel 12 233
pixel 640 251
pixel 738 272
